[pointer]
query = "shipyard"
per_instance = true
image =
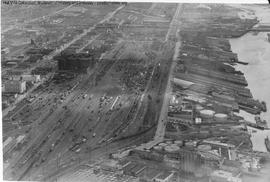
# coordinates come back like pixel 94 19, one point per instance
pixel 150 92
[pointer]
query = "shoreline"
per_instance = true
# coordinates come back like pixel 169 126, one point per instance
pixel 258 137
pixel 252 49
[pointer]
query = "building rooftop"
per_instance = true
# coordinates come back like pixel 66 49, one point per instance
pixel 221 173
pixel 164 175
pixel 218 143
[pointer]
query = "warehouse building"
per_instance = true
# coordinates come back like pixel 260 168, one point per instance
pixel 225 150
pixel 79 62
pixel 14 86
pixel 164 177
pixel 223 176
pixel 27 78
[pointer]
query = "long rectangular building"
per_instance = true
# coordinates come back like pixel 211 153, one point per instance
pixel 14 86
pixel 76 62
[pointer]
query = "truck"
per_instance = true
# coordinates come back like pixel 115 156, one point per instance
pixel 75 147
pixel 78 150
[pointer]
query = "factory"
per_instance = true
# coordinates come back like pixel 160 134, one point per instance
pixel 10 143
pixel 225 150
pixel 80 62
pixel 223 176
pixel 27 78
pixel 164 177
pixel 14 86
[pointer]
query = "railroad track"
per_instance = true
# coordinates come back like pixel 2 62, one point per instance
pixel 84 89
pixel 28 154
pixel 97 153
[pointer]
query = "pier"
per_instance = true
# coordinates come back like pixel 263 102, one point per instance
pixel 261 28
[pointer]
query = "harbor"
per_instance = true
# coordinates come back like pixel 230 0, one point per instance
pixel 255 50
pixel 168 92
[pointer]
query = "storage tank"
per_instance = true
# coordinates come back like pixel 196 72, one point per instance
pixel 179 142
pixel 221 117
pixel 162 144
pixel 158 148
pixel 190 144
pixel 207 113
pixel 171 149
pixel 174 145
pixel 205 147
pixel 198 108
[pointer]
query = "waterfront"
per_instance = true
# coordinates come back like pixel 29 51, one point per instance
pixel 255 49
pixel 139 92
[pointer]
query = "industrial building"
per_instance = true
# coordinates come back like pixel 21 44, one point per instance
pixel 27 78
pixel 14 86
pixel 225 150
pixel 164 177
pixel 223 176
pixel 79 62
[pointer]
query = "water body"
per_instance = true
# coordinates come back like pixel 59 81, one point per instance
pixel 255 49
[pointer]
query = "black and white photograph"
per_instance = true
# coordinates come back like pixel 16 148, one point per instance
pixel 107 91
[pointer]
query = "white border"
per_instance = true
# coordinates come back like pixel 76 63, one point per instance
pixel 170 1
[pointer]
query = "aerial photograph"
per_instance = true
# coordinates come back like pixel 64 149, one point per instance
pixel 135 91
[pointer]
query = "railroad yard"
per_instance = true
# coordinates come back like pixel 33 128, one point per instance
pixel 71 115
pixel 126 92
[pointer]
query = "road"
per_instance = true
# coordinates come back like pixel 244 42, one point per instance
pixel 160 132
pixel 174 23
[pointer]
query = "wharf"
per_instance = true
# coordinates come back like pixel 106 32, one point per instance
pixel 237 79
pixel 210 64
pixel 251 103
pixel 254 125
pixel 213 82
pixel 261 28
pixel 205 123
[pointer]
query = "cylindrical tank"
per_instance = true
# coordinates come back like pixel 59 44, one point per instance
pixel 162 144
pixel 179 142
pixel 207 113
pixel 169 142
pixel 205 147
pixel 174 145
pixel 190 144
pixel 220 117
pixel 198 108
pixel 171 149
pixel 158 148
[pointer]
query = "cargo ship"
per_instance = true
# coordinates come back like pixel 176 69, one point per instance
pixel 267 143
